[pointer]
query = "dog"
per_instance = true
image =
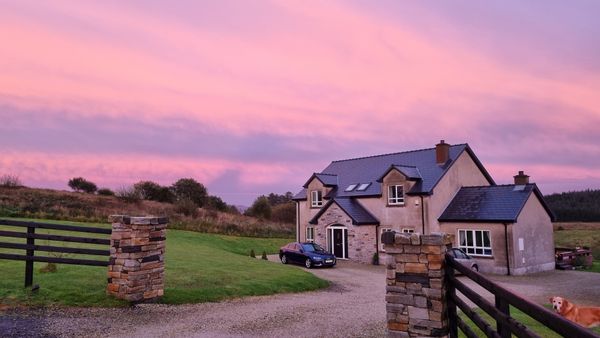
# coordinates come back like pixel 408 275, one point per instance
pixel 584 316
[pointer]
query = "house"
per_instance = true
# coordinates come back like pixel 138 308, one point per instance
pixel 347 206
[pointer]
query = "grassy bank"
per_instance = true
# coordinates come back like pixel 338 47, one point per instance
pixel 200 267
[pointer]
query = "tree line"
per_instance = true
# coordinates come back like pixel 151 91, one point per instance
pixel 186 193
pixel 575 206
pixel 274 207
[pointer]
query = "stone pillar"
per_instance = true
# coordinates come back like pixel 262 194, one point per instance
pixel 415 291
pixel 137 266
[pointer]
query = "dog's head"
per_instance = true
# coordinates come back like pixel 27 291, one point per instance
pixel 560 304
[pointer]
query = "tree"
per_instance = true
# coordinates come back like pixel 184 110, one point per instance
pixel 284 213
pixel 260 208
pixel 10 181
pixel 190 189
pixel 81 184
pixel 216 203
pixel 105 192
pixel 152 191
pixel 276 199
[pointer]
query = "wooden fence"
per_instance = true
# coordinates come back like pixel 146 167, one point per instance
pixel 31 247
pixel 505 325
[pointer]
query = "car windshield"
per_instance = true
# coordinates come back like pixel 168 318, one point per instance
pixel 312 247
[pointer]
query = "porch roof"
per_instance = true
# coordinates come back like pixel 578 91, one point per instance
pixel 352 208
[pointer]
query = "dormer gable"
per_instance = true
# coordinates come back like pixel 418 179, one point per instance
pixel 327 180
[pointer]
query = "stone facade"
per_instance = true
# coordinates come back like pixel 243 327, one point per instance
pixel 416 286
pixel 137 249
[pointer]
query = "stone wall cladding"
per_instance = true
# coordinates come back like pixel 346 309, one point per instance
pixel 416 286
pixel 137 248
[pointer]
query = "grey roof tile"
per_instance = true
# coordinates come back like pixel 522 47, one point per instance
pixel 358 214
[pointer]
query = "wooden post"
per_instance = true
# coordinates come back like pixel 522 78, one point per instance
pixel 29 253
pixel 450 294
pixel 503 306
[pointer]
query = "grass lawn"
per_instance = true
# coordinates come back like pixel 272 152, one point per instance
pixel 199 268
pixel 521 317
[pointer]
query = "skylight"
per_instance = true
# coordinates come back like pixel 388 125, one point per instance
pixel 363 187
pixel 351 187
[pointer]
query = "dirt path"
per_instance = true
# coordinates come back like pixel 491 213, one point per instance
pixel 352 307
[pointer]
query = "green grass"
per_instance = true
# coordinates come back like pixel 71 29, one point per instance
pixel 521 317
pixel 199 268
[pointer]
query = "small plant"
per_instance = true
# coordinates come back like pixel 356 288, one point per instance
pixel 375 259
pixel 186 207
pixel 10 181
pixel 560 228
pixel 252 254
pixel 264 255
pixel 105 192
pixel 81 184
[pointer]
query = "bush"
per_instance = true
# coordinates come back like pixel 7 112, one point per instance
pixel 375 259
pixel 560 228
pixel 260 208
pixel 284 213
pixel 190 189
pixel 10 181
pixel 252 254
pixel 105 192
pixel 128 195
pixel 151 191
pixel 186 207
pixel 81 184
pixel 216 203
pixel 264 256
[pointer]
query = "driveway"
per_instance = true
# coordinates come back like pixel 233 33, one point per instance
pixel 353 306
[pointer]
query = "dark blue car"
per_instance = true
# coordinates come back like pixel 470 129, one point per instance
pixel 308 254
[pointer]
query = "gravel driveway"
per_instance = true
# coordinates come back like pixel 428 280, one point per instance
pixel 353 306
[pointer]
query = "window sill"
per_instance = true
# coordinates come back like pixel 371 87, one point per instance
pixel 395 205
pixel 481 256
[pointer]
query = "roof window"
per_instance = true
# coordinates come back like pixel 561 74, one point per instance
pixel 363 187
pixel 351 187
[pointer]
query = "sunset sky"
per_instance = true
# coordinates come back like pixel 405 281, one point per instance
pixel 251 97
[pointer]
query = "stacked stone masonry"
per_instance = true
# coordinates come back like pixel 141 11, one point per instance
pixel 137 267
pixel 415 290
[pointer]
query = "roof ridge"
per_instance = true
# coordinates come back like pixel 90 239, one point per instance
pixel 325 174
pixel 495 185
pixel 396 153
pixel 405 165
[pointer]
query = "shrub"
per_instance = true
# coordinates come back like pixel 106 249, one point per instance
pixel 560 228
pixel 190 189
pixel 252 254
pixel 151 191
pixel 128 195
pixel 260 208
pixel 375 259
pixel 105 192
pixel 264 255
pixel 81 184
pixel 186 207
pixel 10 181
pixel 284 213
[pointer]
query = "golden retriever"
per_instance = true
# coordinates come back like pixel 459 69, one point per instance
pixel 584 316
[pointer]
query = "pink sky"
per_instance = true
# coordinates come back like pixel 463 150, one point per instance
pixel 251 97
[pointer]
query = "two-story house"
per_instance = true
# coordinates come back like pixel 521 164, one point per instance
pixel 347 206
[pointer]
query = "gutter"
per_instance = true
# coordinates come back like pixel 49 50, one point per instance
pixel 506 247
pixel 297 221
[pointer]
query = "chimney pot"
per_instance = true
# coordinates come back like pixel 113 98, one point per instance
pixel 521 178
pixel 442 152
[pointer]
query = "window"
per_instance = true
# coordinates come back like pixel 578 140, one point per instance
pixel 363 187
pixel 310 234
pixel 382 231
pixel 396 195
pixel 475 242
pixel 316 198
pixel 351 187
pixel 408 230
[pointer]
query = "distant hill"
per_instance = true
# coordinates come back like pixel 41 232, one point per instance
pixel 575 206
pixel 74 206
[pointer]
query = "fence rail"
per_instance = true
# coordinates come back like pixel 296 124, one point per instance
pixel 500 311
pixel 30 247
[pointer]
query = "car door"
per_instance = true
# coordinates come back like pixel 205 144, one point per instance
pixel 296 256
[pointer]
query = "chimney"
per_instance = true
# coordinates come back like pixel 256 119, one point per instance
pixel 442 152
pixel 521 178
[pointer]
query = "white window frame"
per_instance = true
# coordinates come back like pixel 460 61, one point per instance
pixel 382 231
pixel 408 230
pixel 478 248
pixel 398 191
pixel 311 231
pixel 316 198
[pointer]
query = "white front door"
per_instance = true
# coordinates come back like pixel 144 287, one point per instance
pixel 338 241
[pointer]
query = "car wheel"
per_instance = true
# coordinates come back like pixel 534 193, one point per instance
pixel 284 259
pixel 475 268
pixel 308 263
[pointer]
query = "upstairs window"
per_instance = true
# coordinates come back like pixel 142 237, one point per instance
pixel 363 187
pixel 316 198
pixel 396 195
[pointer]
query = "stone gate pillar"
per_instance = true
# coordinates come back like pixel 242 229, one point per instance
pixel 137 266
pixel 415 291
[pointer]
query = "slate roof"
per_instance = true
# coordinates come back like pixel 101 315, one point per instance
pixel 411 172
pixel 328 180
pixel 498 203
pixel 358 214
pixel 419 164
